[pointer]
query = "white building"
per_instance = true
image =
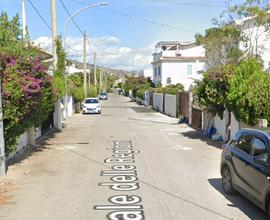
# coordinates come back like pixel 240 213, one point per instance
pixel 176 62
pixel 258 39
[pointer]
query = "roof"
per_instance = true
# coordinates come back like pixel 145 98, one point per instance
pixel 259 130
pixel 167 43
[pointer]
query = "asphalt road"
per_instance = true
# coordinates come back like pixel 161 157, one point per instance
pixel 170 173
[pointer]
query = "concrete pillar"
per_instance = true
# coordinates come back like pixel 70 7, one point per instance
pixel 57 115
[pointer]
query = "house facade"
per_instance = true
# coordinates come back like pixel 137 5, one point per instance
pixel 175 62
pixel 258 42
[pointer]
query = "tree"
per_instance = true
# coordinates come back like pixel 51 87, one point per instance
pixel 59 79
pixel 221 44
pixel 75 85
pixel 249 92
pixel 211 92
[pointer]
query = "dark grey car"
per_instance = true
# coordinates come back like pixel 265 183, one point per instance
pixel 245 166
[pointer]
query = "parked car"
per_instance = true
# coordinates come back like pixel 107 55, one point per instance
pixel 245 166
pixel 91 105
pixel 120 92
pixel 103 96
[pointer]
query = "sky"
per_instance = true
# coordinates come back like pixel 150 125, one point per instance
pixel 122 33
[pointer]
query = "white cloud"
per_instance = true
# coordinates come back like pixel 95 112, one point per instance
pixel 110 52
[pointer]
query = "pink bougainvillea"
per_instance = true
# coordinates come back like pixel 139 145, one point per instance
pixel 27 95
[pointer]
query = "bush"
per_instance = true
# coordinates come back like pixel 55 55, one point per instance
pixel 140 93
pixel 249 93
pixel 211 92
pixel 170 89
pixel 92 92
pixel 28 96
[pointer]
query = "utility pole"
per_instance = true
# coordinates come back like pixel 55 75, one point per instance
pixel 95 70
pixel 23 19
pixel 89 76
pixel 100 79
pixel 84 66
pixel 54 33
pixel 57 108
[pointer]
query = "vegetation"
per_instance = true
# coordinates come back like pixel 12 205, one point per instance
pixel 75 85
pixel 235 79
pixel 59 79
pixel 138 85
pixel 27 91
pixel 170 89
pixel 249 92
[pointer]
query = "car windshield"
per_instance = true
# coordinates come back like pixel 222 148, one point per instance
pixel 91 101
pixel 103 93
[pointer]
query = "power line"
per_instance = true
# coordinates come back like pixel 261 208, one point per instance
pixel 45 22
pixel 190 4
pixel 142 19
pixel 178 3
pixel 148 21
pixel 80 30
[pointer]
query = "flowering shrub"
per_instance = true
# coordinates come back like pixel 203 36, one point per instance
pixel 27 96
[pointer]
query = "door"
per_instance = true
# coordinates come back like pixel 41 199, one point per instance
pixel 241 158
pixel 257 177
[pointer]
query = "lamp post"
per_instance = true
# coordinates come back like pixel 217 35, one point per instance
pixel 65 27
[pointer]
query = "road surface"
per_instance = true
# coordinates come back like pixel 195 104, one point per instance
pixel 127 163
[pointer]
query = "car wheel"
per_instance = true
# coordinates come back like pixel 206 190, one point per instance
pixel 227 181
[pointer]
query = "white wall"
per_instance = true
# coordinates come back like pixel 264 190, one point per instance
pixel 37 132
pixel 70 106
pixel 170 105
pixel 234 125
pixel 178 72
pixel 158 101
pixel 220 125
pixel 22 141
pixel 198 51
pixel 257 34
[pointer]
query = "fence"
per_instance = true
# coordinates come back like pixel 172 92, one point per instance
pixel 184 104
pixel 158 102
pixel 170 105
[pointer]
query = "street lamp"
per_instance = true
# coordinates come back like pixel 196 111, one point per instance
pixel 65 27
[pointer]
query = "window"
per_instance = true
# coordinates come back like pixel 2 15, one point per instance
pixel 155 71
pixel 169 80
pixel 159 71
pixel 235 139
pixel 244 143
pixel 189 69
pixel 258 148
pixel 92 101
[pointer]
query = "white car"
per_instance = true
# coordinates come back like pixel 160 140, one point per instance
pixel 91 105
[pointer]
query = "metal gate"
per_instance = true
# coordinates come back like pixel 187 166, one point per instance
pixel 196 121
pixel 183 106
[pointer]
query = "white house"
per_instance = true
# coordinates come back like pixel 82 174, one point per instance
pixel 175 62
pixel 258 39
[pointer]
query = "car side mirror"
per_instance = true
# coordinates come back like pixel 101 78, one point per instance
pixel 260 160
